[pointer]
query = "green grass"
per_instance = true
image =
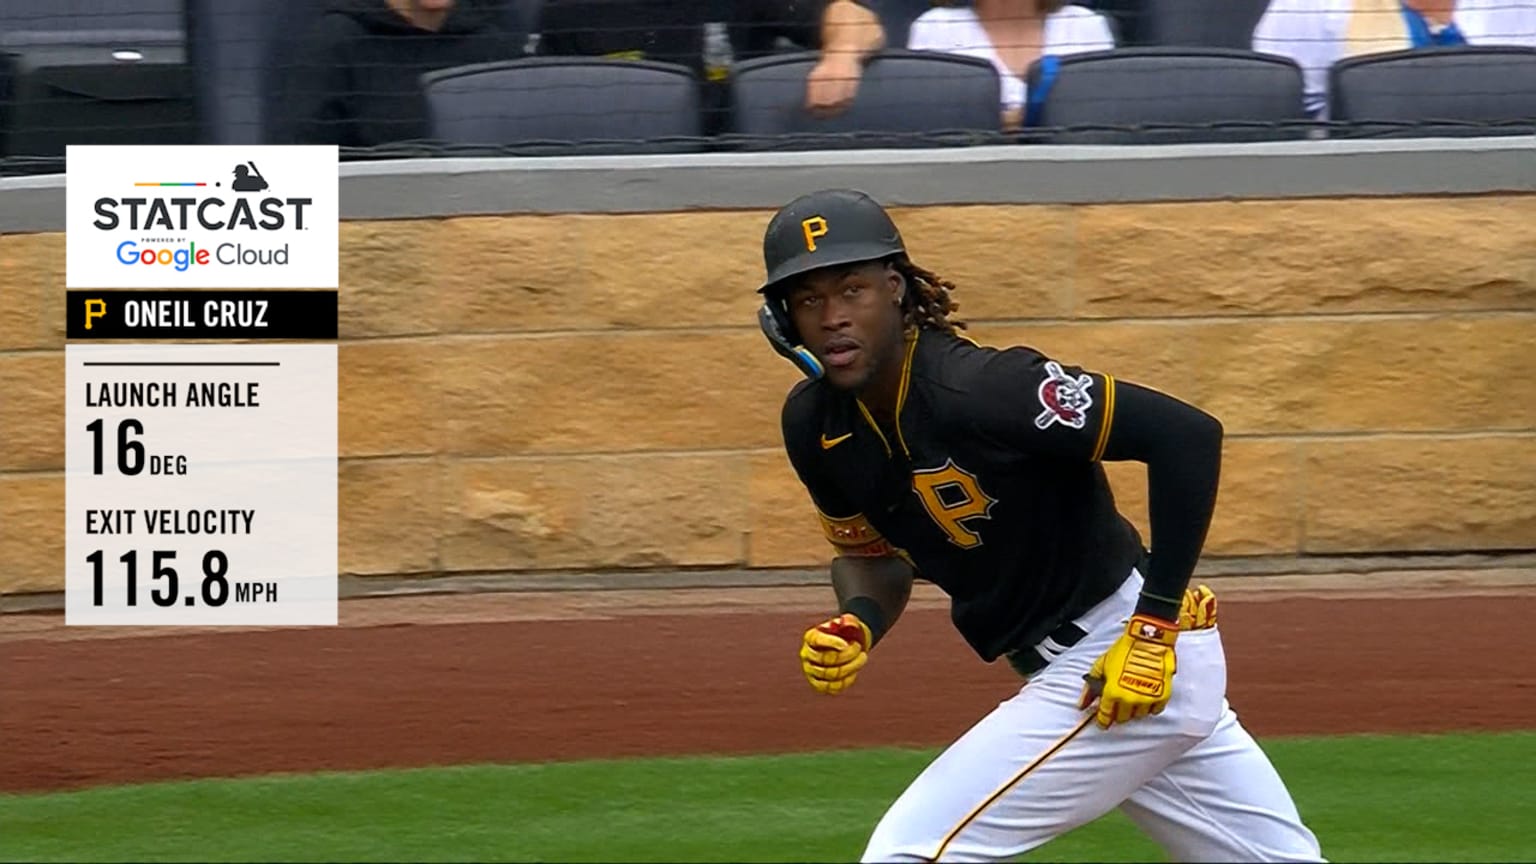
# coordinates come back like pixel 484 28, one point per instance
pixel 1421 798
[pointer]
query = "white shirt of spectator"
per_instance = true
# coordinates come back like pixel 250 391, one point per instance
pixel 1318 33
pixel 956 30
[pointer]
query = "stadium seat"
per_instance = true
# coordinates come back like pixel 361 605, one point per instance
pixel 93 87
pixel 1202 23
pixel 1435 92
pixel 567 106
pixel 905 99
pixel 239 55
pixel 1158 95
pixel 94 72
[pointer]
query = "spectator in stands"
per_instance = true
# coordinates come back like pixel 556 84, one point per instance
pixel 666 31
pixel 355 80
pixel 1319 33
pixel 1011 35
pixel 708 36
pixel 1128 17
pixel 846 33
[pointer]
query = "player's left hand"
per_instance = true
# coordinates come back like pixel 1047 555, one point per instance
pixel 1134 678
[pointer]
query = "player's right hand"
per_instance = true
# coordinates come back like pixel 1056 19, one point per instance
pixel 833 652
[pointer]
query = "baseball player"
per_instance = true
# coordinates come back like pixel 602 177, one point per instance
pixel 980 469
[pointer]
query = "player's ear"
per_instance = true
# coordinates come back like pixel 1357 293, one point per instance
pixel 897 282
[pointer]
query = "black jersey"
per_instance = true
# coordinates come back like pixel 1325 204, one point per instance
pixel 989 484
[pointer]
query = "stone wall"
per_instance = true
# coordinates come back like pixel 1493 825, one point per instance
pixel 590 391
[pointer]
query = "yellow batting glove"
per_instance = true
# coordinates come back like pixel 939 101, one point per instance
pixel 1198 611
pixel 1134 678
pixel 833 652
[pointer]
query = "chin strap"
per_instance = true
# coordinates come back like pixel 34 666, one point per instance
pixel 768 318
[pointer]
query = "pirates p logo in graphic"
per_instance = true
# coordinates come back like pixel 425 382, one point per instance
pixel 1064 398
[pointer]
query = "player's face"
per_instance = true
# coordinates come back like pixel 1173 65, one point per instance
pixel 850 318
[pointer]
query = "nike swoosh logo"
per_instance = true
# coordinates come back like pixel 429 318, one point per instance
pixel 829 443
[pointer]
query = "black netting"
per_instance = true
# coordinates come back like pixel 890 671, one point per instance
pixel 595 77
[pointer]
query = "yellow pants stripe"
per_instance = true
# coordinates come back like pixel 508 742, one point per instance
pixel 1012 782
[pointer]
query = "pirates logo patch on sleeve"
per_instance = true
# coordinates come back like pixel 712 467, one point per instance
pixel 1066 399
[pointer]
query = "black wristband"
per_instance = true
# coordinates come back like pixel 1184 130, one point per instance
pixel 870 613
pixel 1158 607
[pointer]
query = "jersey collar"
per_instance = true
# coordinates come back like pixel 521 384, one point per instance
pixel 901 397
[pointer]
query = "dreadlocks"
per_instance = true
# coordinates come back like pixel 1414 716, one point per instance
pixel 929 302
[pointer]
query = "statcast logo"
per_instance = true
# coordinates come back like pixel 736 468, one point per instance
pixel 180 213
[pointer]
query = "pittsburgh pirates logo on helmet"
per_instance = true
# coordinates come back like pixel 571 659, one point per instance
pixel 814 227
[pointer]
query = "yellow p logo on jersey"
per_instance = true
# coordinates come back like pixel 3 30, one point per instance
pixel 813 227
pixel 952 495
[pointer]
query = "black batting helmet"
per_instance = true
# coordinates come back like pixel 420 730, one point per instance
pixel 822 229
pixel 826 228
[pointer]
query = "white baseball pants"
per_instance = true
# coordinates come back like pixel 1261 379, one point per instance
pixel 1036 767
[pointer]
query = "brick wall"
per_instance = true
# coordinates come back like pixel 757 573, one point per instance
pixel 591 391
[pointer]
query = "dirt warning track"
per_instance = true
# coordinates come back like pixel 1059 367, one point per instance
pixel 509 677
